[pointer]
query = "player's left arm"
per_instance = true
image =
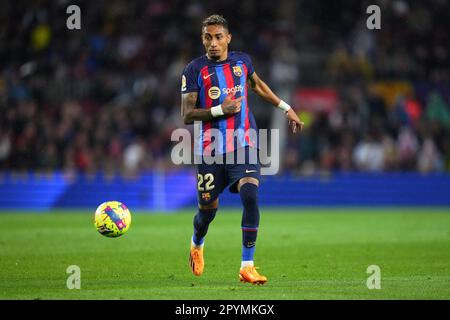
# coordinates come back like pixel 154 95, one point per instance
pixel 263 90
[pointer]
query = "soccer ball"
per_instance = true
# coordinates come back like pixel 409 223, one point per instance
pixel 112 219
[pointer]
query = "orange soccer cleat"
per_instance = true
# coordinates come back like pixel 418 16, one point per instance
pixel 249 274
pixel 196 261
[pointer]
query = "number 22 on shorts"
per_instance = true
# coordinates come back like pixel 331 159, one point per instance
pixel 208 178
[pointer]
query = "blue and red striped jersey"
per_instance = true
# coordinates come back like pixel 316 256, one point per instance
pixel 214 81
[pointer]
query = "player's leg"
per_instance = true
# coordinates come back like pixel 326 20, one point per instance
pixel 211 182
pixel 248 191
pixel 205 215
pixel 202 219
pixel 245 181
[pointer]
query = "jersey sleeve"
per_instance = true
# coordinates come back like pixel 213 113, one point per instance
pixel 248 62
pixel 189 80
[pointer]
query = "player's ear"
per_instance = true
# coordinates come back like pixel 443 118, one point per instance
pixel 228 38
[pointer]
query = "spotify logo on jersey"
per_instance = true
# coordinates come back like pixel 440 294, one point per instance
pixel 214 92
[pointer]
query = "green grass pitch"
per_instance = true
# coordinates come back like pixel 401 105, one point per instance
pixel 305 253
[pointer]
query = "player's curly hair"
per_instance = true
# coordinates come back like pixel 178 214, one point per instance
pixel 215 19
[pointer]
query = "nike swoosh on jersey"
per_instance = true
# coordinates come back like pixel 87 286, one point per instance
pixel 208 75
pixel 250 171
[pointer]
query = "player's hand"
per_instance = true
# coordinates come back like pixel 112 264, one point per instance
pixel 295 124
pixel 231 105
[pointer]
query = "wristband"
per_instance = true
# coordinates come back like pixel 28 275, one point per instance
pixel 284 106
pixel 217 111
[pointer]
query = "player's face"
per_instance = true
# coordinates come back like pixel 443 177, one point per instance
pixel 216 39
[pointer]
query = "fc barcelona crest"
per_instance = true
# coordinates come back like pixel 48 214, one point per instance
pixel 206 196
pixel 237 70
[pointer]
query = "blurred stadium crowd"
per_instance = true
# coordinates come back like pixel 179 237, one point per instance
pixel 107 97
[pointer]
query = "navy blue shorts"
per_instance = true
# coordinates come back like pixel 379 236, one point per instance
pixel 213 178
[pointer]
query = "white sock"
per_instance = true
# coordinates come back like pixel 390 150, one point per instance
pixel 246 263
pixel 198 246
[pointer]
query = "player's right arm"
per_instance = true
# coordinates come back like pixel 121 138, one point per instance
pixel 190 113
pixel 188 110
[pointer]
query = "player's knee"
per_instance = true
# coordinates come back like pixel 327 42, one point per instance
pixel 209 206
pixel 249 195
pixel 247 180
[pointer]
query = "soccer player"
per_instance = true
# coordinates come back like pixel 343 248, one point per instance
pixel 214 95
